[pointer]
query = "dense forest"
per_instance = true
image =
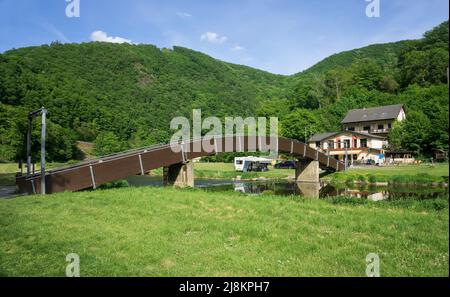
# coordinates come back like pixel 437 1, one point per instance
pixel 121 96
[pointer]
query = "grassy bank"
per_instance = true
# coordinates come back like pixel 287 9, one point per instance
pixel 8 171
pixel 167 232
pixel 226 171
pixel 7 174
pixel 403 174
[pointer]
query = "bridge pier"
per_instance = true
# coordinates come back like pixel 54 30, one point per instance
pixel 307 171
pixel 179 175
pixel 309 190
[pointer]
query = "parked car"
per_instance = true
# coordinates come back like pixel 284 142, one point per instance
pixel 285 165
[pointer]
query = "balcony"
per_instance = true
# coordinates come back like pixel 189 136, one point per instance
pixel 380 131
pixel 343 149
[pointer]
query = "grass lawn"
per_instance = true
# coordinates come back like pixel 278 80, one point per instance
pixel 400 174
pixel 169 232
pixel 8 171
pixel 226 171
pixel 7 174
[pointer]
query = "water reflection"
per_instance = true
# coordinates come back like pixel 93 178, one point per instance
pixel 322 190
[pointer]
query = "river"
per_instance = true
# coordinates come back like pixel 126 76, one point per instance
pixel 322 190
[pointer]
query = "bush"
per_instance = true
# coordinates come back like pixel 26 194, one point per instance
pixel 350 180
pixel 115 184
pixel 372 179
pixel 361 178
pixel 423 178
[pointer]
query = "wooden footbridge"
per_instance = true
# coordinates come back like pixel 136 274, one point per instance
pixel 178 169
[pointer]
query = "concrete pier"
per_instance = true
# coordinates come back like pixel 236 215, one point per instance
pixel 309 190
pixel 307 171
pixel 179 175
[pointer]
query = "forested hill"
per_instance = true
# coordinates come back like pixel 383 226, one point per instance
pixel 132 91
pixel 122 96
pixel 383 54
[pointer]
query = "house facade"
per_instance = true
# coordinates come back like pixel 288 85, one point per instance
pixel 364 135
pixel 377 120
pixel 355 146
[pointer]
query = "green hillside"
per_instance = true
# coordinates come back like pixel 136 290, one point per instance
pixel 383 54
pixel 122 96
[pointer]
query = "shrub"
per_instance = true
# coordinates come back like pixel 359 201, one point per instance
pixel 361 178
pixel 372 179
pixel 350 180
pixel 423 178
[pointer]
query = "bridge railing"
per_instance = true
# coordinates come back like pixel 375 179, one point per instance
pixel 134 151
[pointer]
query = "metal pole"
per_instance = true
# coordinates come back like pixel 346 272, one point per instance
pixel 44 113
pixel 30 121
pixel 346 156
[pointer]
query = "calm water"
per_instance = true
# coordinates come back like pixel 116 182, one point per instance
pixel 286 188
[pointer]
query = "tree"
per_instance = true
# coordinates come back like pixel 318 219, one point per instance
pixel 413 134
pixel 366 73
pixel 301 124
pixel 107 143
pixel 389 84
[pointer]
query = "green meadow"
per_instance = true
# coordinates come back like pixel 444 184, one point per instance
pixel 170 232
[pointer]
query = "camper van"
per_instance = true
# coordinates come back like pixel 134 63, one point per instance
pixel 248 164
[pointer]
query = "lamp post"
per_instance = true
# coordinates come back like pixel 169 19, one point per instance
pixel 31 115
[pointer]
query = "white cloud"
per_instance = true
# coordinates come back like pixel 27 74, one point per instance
pixel 103 37
pixel 213 38
pixel 184 15
pixel 238 48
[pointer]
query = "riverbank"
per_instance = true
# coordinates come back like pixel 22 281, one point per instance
pixel 227 171
pixel 168 232
pixel 427 174
pixel 432 175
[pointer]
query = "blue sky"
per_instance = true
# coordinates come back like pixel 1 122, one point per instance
pixel 279 36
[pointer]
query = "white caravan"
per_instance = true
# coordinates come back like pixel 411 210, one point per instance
pixel 246 164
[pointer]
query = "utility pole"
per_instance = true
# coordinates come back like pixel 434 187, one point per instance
pixel 31 115
pixel 346 156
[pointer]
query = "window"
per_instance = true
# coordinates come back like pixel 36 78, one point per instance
pixel 366 128
pixel 347 143
pixel 351 129
pixel 317 144
pixel 355 142
pixel 389 125
pixel 380 127
pixel 363 142
pixel 238 162
pixel 331 144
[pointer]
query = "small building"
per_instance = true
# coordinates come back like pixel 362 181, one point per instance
pixel 440 155
pixel 359 147
pixel 400 157
pixel 376 120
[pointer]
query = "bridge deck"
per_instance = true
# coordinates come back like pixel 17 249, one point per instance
pixel 96 172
